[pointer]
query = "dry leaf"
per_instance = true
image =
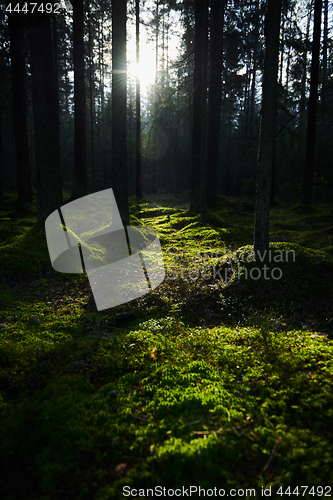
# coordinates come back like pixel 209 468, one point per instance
pixel 153 353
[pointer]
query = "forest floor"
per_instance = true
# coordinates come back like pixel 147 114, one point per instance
pixel 222 377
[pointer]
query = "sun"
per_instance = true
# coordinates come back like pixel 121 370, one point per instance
pixel 146 70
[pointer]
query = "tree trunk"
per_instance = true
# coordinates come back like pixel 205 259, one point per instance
pixel 2 180
pixel 199 12
pixel 119 130
pixel 46 116
pixel 138 106
pixel 304 72
pixel 267 125
pixel 203 173
pixel 325 47
pixel 157 27
pixel 91 99
pixel 80 160
pixel 214 98
pixel 312 110
pixel 19 93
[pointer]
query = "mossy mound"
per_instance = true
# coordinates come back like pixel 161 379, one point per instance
pixel 292 280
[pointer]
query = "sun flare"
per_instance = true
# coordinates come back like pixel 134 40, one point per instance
pixel 145 70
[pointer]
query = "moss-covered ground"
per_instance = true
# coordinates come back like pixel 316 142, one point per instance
pixel 220 377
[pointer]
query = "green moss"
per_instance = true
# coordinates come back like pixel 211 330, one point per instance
pixel 204 382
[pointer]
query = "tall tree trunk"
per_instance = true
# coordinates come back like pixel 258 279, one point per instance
pixel 253 88
pixel 214 98
pixel 91 98
pixel 312 110
pixel 101 65
pixel 325 47
pixel 267 125
pixel 197 152
pixel 119 129
pixel 2 180
pixel 157 27
pixel 324 142
pixel 46 116
pixel 283 19
pixel 80 160
pixel 138 106
pixel 203 173
pixel 304 71
pixel 19 93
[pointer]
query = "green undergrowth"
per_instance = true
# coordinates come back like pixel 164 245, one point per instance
pixel 217 378
pixel 98 407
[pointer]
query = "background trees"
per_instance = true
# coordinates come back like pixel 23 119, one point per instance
pixel 45 115
pixel 204 82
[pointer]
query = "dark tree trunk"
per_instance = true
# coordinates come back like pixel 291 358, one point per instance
pixel 46 116
pixel 197 152
pixel 304 73
pixel 203 174
pixel 267 125
pixel 138 106
pixel 119 130
pixel 91 99
pixel 312 110
pixel 2 180
pixel 214 98
pixel 80 160
pixel 325 47
pixel 19 93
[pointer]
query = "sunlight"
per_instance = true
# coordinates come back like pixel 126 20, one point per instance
pixel 145 71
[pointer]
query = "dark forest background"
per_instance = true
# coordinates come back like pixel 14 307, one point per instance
pixel 64 126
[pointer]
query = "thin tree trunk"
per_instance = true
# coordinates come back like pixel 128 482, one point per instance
pixel 214 98
pixel 119 127
pixel 19 93
pixel 91 99
pixel 138 106
pixel 157 21
pixel 304 69
pixel 325 46
pixel 2 183
pixel 46 116
pixel 324 147
pixel 197 152
pixel 267 125
pixel 312 110
pixel 203 174
pixel 282 47
pixel 80 161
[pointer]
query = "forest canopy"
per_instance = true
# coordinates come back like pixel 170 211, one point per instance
pixel 184 115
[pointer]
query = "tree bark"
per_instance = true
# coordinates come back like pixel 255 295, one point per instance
pixel 203 173
pixel 119 173
pixel 2 180
pixel 46 116
pixel 197 142
pixel 80 160
pixel 267 125
pixel 138 106
pixel 312 110
pixel 19 93
pixel 91 99
pixel 214 98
